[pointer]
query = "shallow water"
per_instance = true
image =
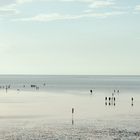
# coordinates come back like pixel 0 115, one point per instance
pixel 46 113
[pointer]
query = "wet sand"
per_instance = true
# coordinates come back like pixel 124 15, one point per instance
pixel 45 115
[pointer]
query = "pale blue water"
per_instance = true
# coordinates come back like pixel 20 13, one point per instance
pixel 63 83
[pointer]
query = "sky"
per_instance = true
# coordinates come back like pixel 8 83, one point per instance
pixel 70 37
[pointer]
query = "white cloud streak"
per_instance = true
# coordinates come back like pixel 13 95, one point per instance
pixel 23 1
pixel 9 7
pixel 10 2
pixel 137 8
pixel 59 17
pixel 8 10
pixel 102 4
pixel 6 2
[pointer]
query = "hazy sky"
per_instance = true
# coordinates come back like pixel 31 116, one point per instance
pixel 70 37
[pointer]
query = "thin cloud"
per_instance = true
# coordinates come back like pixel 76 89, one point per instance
pixel 9 7
pixel 102 4
pixel 81 1
pixel 59 17
pixel 23 1
pixel 75 0
pixel 7 2
pixel 8 10
pixel 137 8
pixel 10 2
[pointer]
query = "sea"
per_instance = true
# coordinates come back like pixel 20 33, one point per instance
pixel 69 107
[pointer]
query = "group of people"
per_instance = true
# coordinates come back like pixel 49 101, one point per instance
pixel 112 100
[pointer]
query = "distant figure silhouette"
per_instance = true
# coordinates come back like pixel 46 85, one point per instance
pixel 33 86
pixel 91 91
pixel 72 110
pixel 114 99
pixel 72 115
pixel 106 101
pixel 18 90
pixel 112 96
pixel 132 99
